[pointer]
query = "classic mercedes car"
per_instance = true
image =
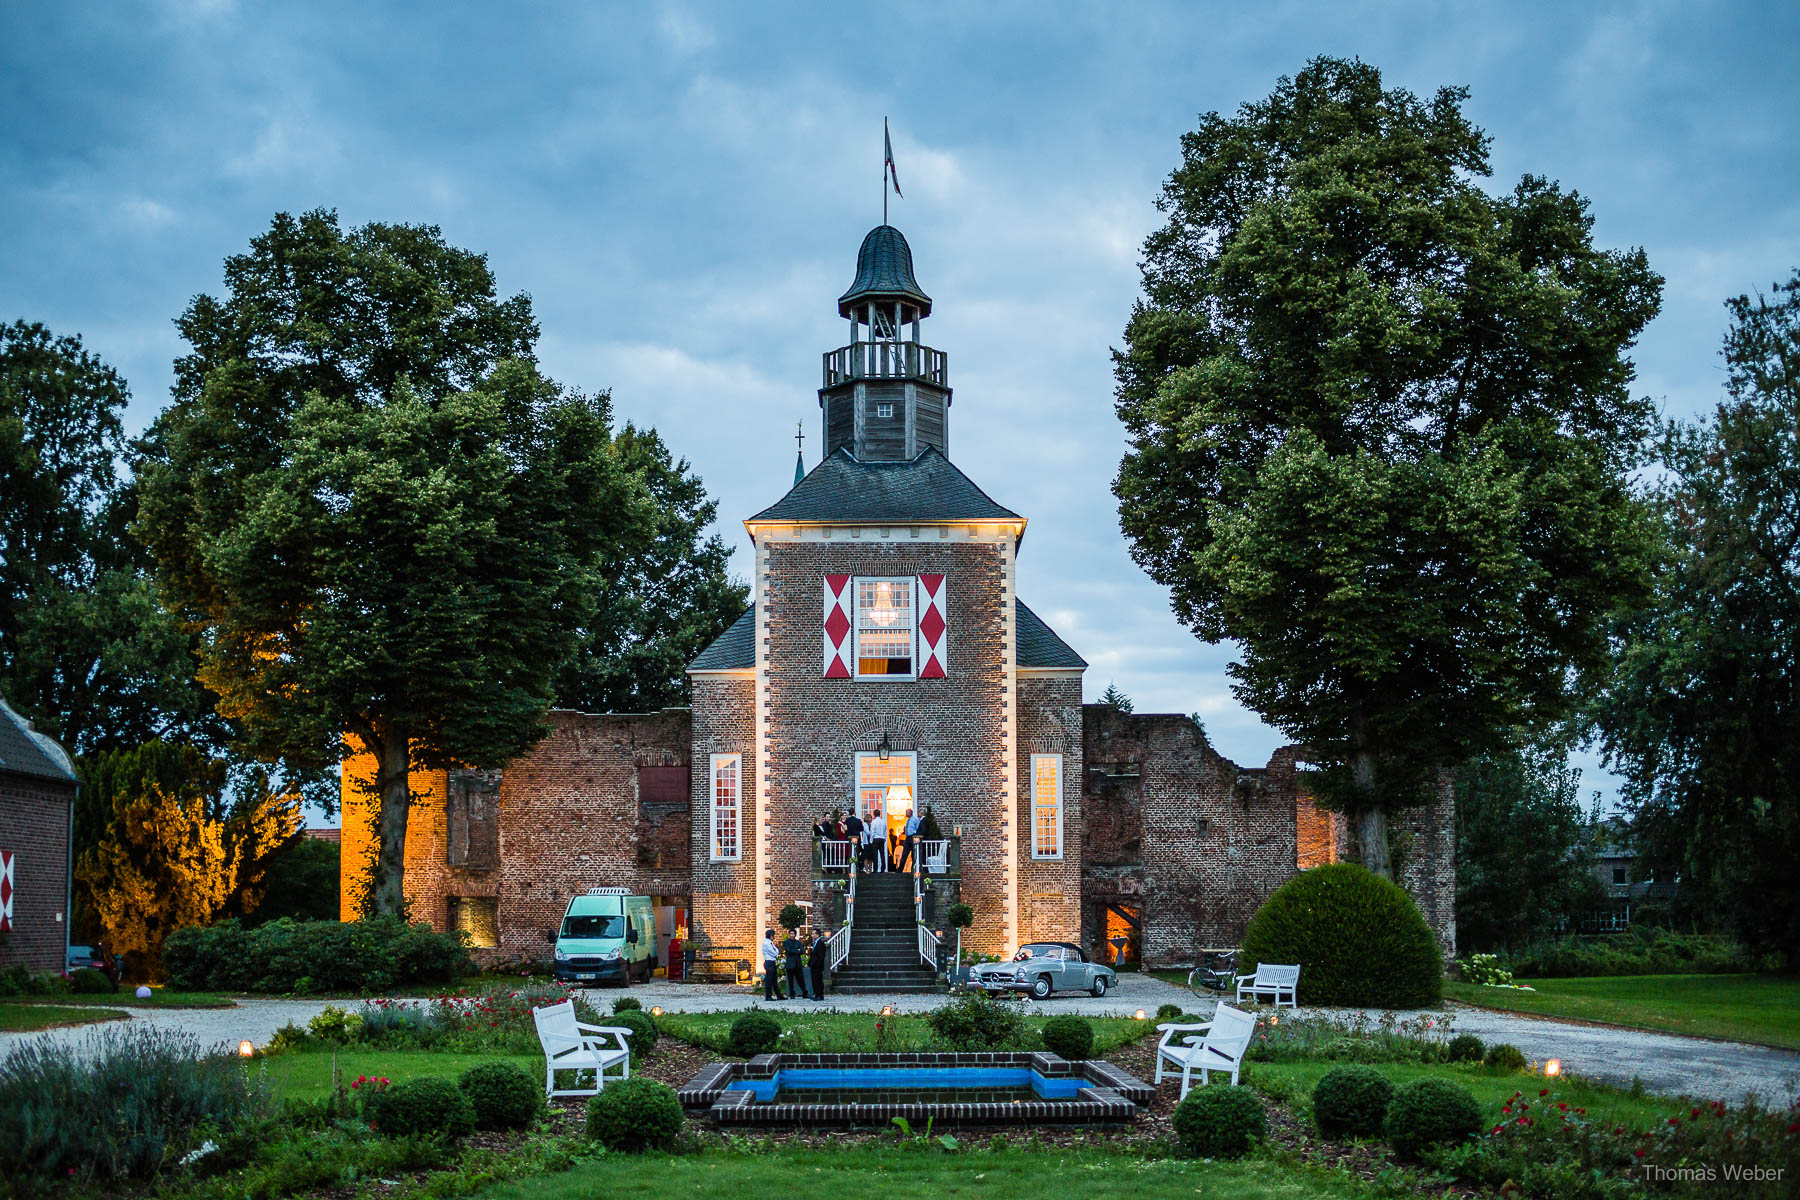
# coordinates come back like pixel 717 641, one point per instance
pixel 1045 967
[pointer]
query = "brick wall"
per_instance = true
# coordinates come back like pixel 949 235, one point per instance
pixel 34 828
pixel 954 724
pixel 1050 722
pixel 724 893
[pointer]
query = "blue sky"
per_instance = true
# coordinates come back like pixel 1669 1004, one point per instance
pixel 681 189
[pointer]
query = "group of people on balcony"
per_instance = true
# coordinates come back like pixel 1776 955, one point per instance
pixel 872 848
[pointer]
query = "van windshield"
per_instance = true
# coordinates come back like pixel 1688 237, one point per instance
pixel 594 927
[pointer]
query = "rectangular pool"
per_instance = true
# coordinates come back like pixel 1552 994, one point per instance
pixel 907 1085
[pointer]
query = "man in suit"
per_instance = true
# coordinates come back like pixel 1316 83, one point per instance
pixel 853 832
pixel 771 957
pixel 796 968
pixel 816 955
pixel 909 846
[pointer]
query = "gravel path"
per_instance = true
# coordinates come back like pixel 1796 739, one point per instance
pixel 1666 1063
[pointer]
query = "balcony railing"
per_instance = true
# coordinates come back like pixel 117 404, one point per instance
pixel 939 857
pixel 886 360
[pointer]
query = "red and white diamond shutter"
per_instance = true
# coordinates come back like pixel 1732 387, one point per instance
pixel 931 626
pixel 837 626
pixel 6 889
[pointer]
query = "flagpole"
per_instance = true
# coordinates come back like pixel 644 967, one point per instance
pixel 884 169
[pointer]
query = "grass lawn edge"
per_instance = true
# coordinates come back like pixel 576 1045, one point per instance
pixel 1530 1015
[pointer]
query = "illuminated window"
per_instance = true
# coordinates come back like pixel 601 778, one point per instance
pixel 884 628
pixel 1046 806
pixel 874 778
pixel 727 807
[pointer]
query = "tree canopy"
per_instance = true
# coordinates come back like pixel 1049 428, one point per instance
pixel 1380 429
pixel 1703 714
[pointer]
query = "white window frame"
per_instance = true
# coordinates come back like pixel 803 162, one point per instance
pixel 911 584
pixel 733 767
pixel 1040 806
pixel 884 409
pixel 912 775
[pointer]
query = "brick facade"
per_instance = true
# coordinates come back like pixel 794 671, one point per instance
pixel 724 893
pixel 34 829
pixel 1050 722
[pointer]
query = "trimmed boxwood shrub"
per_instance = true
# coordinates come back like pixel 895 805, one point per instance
pixel 1430 1112
pixel 1358 938
pixel 371 955
pixel 1503 1056
pixel 85 981
pixel 1219 1122
pixel 502 1095
pixel 1072 1037
pixel 1168 1012
pixel 1465 1047
pixel 635 1115
pixel 628 1003
pixel 643 1030
pixel 1352 1100
pixel 752 1034
pixel 421 1107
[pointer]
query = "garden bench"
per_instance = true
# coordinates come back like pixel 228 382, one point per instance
pixel 1215 1045
pixel 1271 979
pixel 570 1045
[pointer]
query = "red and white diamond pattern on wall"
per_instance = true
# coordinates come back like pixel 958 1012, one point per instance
pixel 837 627
pixel 6 890
pixel 931 627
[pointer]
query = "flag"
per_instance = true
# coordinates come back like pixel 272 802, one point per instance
pixel 887 162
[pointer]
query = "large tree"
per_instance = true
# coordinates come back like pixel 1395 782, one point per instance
pixel 1703 715
pixel 387 526
pixel 1380 429
pixel 659 604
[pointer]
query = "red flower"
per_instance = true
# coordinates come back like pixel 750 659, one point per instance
pixel 1695 1114
pixel 1674 1120
pixel 1496 1129
pixel 1795 1128
pixel 1638 1153
pixel 1523 1121
pixel 1543 1091
pixel 1506 1108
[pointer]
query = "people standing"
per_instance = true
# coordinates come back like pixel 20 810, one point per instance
pixel 853 832
pixel 816 955
pixel 909 848
pixel 796 969
pixel 875 843
pixel 771 965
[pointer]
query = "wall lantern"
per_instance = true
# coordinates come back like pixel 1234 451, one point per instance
pixel 884 751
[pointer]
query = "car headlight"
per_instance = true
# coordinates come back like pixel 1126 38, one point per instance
pixel 1019 975
pixel 609 955
pixel 562 955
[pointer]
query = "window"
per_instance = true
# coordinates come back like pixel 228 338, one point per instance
pixel 884 628
pixel 884 410
pixel 1046 806
pixel 874 778
pixel 727 797
pixel 1619 875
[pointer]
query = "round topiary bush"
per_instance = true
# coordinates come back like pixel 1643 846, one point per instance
pixel 1169 1012
pixel 1219 1122
pixel 502 1096
pixel 85 981
pixel 1352 1100
pixel 421 1107
pixel 627 1004
pixel 1465 1047
pixel 1071 1037
pixel 1430 1112
pixel 635 1115
pixel 752 1034
pixel 1358 938
pixel 1503 1056
pixel 643 1030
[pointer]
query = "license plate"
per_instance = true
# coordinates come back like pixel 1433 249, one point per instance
pixel 589 975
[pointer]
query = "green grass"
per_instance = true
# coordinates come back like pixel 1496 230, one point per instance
pixel 159 998
pixel 828 1032
pixel 21 1018
pixel 306 1074
pixel 1741 1008
pixel 896 1173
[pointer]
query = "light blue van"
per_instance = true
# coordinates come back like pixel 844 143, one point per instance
pixel 608 935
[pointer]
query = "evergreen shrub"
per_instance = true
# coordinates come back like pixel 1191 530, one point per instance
pixel 421 1108
pixel 1359 939
pixel 634 1115
pixel 628 1003
pixel 1169 1012
pixel 973 1021
pixel 502 1096
pixel 643 1030
pixel 1465 1047
pixel 1430 1112
pixel 85 981
pixel 1503 1056
pixel 752 1034
pixel 1219 1122
pixel 1352 1100
pixel 1071 1037
pixel 370 955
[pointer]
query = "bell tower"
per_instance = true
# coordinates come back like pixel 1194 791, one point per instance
pixel 886 396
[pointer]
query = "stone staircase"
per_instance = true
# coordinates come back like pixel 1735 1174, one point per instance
pixel 884 948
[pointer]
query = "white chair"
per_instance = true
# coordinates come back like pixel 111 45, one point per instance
pixel 1271 979
pixel 571 1046
pixel 1226 1038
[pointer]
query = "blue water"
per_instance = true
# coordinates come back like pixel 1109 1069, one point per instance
pixel 873 1079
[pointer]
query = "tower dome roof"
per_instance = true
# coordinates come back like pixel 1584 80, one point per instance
pixel 884 271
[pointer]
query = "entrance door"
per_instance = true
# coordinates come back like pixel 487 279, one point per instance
pixel 1121 933
pixel 874 778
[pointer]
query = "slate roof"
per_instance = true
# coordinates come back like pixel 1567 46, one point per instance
pixel 733 650
pixel 884 269
pixel 1039 646
pixel 928 488
pixel 25 751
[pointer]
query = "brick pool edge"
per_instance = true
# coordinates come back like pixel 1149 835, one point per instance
pixel 1111 1095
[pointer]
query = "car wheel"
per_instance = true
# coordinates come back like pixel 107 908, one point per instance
pixel 1040 988
pixel 1099 987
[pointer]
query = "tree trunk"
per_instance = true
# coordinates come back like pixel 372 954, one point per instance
pixel 1369 814
pixel 394 782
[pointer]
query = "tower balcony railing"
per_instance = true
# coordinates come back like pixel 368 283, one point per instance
pixel 837 860
pixel 886 360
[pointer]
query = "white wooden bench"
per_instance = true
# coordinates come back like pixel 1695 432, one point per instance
pixel 1215 1045
pixel 570 1045
pixel 1281 982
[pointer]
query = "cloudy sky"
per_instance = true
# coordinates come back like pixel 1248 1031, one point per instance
pixel 681 189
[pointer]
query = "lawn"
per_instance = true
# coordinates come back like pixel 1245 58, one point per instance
pixel 827 1032
pixel 159 998
pixel 306 1075
pixel 21 1018
pixel 1741 1008
pixel 896 1173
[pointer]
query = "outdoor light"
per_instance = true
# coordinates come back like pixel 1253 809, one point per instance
pixel 245 1049
pixel 656 1010
pixel 1553 1067
pixel 1140 1014
pixel 887 1010
pixel 899 793
pixel 1274 1018
pixel 885 750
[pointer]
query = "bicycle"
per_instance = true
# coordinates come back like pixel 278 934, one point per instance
pixel 1215 974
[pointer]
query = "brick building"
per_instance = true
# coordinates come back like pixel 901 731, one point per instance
pixel 886 662
pixel 37 813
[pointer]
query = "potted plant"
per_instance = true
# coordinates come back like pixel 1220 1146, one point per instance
pixel 959 917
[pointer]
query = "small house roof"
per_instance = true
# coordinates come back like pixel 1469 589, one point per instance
pixel 926 489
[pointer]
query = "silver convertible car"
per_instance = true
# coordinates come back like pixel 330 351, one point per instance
pixel 1045 967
